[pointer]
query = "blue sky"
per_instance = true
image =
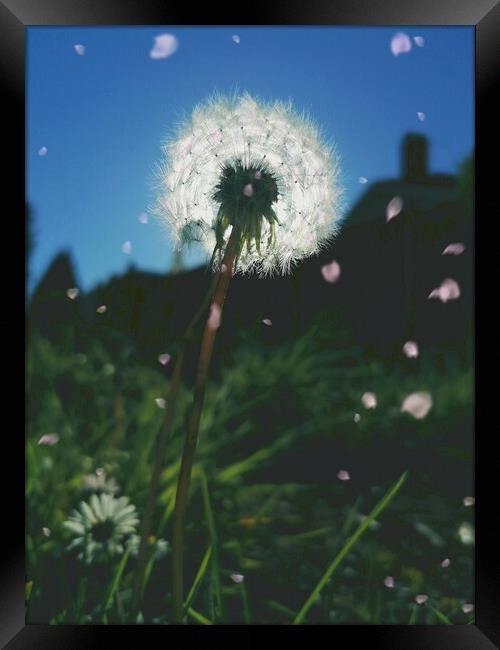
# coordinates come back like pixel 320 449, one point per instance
pixel 103 115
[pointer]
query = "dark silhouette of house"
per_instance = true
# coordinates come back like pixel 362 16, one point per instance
pixel 388 270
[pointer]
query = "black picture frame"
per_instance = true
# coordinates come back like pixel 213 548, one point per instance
pixel 484 15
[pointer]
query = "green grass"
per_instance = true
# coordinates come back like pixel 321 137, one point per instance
pixel 265 499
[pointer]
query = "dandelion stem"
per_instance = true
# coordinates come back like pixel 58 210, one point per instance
pixel 163 437
pixel 184 479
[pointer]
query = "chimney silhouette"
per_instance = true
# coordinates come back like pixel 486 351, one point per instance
pixel 414 158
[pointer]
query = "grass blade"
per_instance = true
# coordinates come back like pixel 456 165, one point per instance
pixel 209 516
pixel 198 578
pixel 381 505
pixel 440 616
pixel 116 580
pixel 199 617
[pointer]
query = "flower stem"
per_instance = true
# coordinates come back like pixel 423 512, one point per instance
pixel 184 479
pixel 163 437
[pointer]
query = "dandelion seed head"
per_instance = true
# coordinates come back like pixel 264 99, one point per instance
pixel 79 49
pixel 343 475
pixel 43 151
pixel 389 582
pixel 469 501
pixel 164 358
pixel 231 143
pixel 72 293
pixel 446 563
pixel 161 403
pixel 467 608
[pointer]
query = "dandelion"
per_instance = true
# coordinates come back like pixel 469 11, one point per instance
pixel 257 185
pixel 410 349
pixel 72 293
pixel 421 599
pixel 259 170
pixel 103 527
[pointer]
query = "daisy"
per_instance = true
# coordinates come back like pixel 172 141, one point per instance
pixel 102 527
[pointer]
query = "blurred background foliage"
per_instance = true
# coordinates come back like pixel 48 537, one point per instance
pixel 277 427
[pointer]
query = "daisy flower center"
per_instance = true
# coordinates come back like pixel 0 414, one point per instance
pixel 103 531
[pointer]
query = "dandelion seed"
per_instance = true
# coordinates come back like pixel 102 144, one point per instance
pixel 362 180
pixel 400 43
pixel 389 582
pixel 417 404
pixel 103 527
pixel 127 247
pixel 331 272
pixel 164 358
pixel 46 532
pixel 445 563
pixel 237 578
pixel 420 116
pixel 143 217
pixel 410 348
pixel 357 417
pixel 164 46
pixel 419 40
pixel 469 501
pixel 160 402
pixel 421 599
pixel 102 309
pixel 99 471
pixel 72 293
pixel 343 475
pixel 236 39
pixel 266 154
pixel 394 207
pixel 454 249
pixel 214 320
pixel 449 290
pixel 267 321
pixel 467 608
pixel 369 400
pixel 43 151
pixel 49 439
pixel 79 49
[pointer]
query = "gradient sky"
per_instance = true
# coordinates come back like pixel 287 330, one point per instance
pixel 102 117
